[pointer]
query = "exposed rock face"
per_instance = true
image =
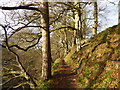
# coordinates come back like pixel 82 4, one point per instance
pixel 97 63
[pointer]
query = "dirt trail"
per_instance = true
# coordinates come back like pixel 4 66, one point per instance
pixel 65 77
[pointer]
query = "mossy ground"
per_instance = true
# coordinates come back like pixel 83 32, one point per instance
pixel 97 64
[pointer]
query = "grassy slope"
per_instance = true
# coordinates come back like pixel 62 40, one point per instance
pixel 97 64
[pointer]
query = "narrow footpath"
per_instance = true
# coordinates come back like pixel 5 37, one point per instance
pixel 65 77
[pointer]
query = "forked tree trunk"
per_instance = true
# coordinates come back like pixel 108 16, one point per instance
pixel 95 19
pixel 46 50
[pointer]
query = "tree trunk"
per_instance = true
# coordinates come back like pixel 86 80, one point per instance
pixel 80 22
pixel 76 40
pixel 74 32
pixel 65 42
pixel 95 19
pixel 65 38
pixel 78 25
pixel 46 50
pixel 84 23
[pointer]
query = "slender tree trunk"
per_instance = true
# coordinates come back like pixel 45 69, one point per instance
pixel 78 25
pixel 84 23
pixel 80 22
pixel 46 50
pixel 65 37
pixel 65 42
pixel 76 32
pixel 95 19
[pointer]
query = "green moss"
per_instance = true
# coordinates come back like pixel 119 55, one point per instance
pixel 95 55
pixel 118 29
pixel 96 66
pixel 92 66
pixel 46 84
pixel 108 74
pixel 87 72
pixel 55 65
pixel 85 82
pixel 69 55
pixel 54 68
pixel 104 37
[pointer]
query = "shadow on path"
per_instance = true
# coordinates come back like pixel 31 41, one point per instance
pixel 65 77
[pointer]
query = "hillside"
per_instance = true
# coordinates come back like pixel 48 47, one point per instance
pixel 96 64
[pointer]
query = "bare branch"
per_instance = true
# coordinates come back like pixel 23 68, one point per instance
pixel 27 47
pixel 12 72
pixel 63 28
pixel 25 26
pixel 10 80
pixel 21 84
pixel 21 7
pixel 18 47
pixel 112 2
pixel 33 4
pixel 3 46
pixel 26 74
pixel 59 16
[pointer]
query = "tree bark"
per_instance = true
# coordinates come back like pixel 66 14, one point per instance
pixel 65 42
pixel 46 50
pixel 78 25
pixel 84 23
pixel 95 18
pixel 76 17
pixel 74 32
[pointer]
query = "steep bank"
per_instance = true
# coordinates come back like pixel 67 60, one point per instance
pixel 97 63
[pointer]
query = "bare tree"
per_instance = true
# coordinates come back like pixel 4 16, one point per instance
pixel 44 10
pixel 95 19
pixel 46 50
pixel 20 65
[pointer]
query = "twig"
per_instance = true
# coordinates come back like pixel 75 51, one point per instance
pixel 10 80
pixel 27 76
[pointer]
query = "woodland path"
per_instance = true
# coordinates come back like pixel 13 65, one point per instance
pixel 65 77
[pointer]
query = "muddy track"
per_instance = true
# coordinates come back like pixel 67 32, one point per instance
pixel 65 77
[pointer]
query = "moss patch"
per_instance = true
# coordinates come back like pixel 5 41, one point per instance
pixel 96 64
pixel 55 65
